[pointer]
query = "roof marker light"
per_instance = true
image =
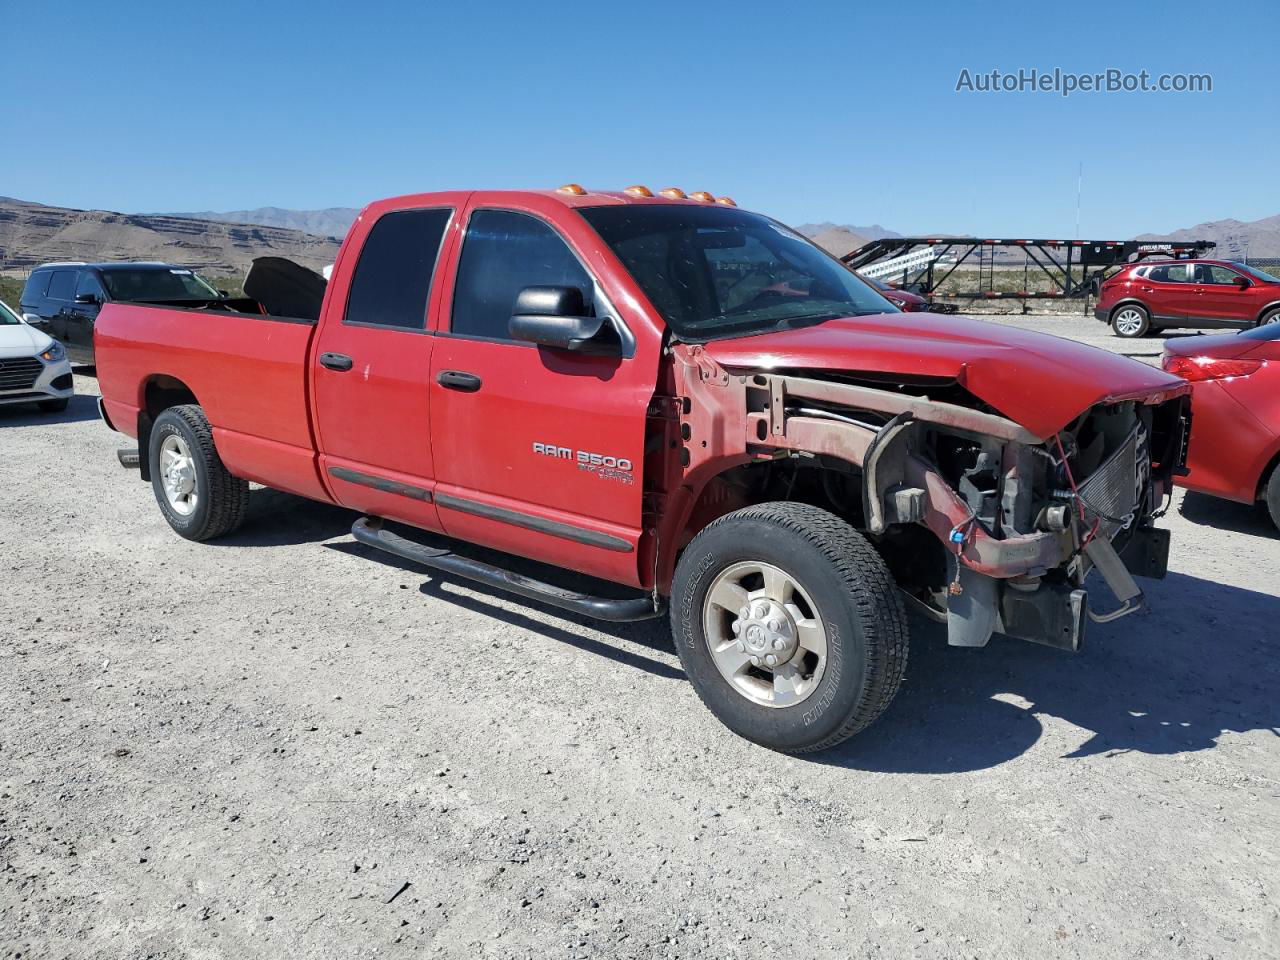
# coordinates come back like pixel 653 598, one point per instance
pixel 638 191
pixel 702 196
pixel 571 188
pixel 672 193
pixel 727 201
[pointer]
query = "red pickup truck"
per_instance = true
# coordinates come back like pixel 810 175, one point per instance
pixel 680 397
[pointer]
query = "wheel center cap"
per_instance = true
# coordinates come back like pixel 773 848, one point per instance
pixel 766 632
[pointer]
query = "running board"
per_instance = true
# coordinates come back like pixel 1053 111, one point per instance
pixel 369 531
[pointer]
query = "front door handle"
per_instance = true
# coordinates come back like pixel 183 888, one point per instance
pixel 457 380
pixel 335 361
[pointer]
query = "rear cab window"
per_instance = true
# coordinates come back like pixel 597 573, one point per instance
pixel 391 284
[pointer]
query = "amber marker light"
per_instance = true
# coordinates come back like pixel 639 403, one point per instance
pixel 727 201
pixel 702 196
pixel 638 191
pixel 673 193
pixel 573 189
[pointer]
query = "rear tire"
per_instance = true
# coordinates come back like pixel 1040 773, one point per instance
pixel 1271 316
pixel 196 493
pixel 1130 321
pixel 53 406
pixel 1271 495
pixel 834 594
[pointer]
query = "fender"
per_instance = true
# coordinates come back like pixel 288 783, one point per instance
pixel 730 419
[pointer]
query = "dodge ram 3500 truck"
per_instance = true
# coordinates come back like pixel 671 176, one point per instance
pixel 684 398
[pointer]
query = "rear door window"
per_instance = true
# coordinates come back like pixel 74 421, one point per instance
pixel 503 253
pixel 62 284
pixel 391 285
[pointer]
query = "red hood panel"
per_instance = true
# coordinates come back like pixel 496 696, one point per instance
pixel 1037 380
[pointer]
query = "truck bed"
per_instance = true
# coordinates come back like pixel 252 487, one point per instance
pixel 247 370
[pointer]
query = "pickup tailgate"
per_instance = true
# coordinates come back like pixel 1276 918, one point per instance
pixel 246 371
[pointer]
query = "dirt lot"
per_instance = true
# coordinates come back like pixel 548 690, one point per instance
pixel 283 746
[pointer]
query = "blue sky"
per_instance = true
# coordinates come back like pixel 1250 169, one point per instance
pixel 806 111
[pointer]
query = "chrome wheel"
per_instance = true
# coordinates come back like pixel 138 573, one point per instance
pixel 178 474
pixel 1129 322
pixel 765 634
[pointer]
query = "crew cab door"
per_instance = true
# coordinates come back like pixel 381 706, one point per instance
pixel 538 451
pixel 370 366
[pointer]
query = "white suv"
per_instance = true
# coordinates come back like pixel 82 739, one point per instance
pixel 33 366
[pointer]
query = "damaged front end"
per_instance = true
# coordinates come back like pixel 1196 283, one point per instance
pixel 986 525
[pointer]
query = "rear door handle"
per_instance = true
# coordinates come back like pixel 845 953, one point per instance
pixel 457 380
pixel 335 361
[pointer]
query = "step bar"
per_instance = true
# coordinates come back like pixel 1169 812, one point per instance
pixel 369 531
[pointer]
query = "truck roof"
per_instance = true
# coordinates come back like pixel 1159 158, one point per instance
pixel 572 195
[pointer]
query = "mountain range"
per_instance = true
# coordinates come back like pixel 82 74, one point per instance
pixel 32 233
pixel 226 242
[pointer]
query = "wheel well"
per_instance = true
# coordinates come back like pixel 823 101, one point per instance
pixel 1263 312
pixel 1272 465
pixel 1130 302
pixel 159 393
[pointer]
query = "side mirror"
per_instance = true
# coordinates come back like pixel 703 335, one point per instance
pixel 86 298
pixel 34 319
pixel 1242 282
pixel 555 317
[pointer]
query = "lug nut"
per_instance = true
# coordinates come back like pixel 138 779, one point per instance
pixel 755 661
pixel 779 644
pixel 744 613
pixel 775 625
pixel 762 611
pixel 742 646
pixel 737 626
pixel 771 660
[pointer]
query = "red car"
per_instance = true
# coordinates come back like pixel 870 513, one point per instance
pixel 904 300
pixel 1145 297
pixel 1235 426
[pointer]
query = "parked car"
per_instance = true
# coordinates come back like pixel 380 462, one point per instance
pixel 64 298
pixel 1145 297
pixel 1235 433
pixel 33 366
pixel 685 399
pixel 904 300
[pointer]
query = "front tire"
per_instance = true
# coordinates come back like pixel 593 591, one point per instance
pixel 1271 316
pixel 196 493
pixel 795 585
pixel 1130 321
pixel 1272 496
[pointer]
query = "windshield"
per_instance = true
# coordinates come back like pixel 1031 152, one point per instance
pixel 722 272
pixel 157 284
pixel 7 316
pixel 878 284
pixel 1256 273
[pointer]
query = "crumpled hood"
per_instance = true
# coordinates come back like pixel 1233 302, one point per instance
pixel 21 340
pixel 1037 380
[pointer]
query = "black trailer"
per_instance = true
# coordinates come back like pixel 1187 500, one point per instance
pixel 1075 268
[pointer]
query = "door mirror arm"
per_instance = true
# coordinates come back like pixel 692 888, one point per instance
pixel 1242 282
pixel 87 298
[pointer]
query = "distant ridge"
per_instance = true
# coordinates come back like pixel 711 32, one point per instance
pixel 329 222
pixel 32 233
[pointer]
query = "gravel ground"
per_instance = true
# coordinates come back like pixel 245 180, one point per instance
pixel 283 745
